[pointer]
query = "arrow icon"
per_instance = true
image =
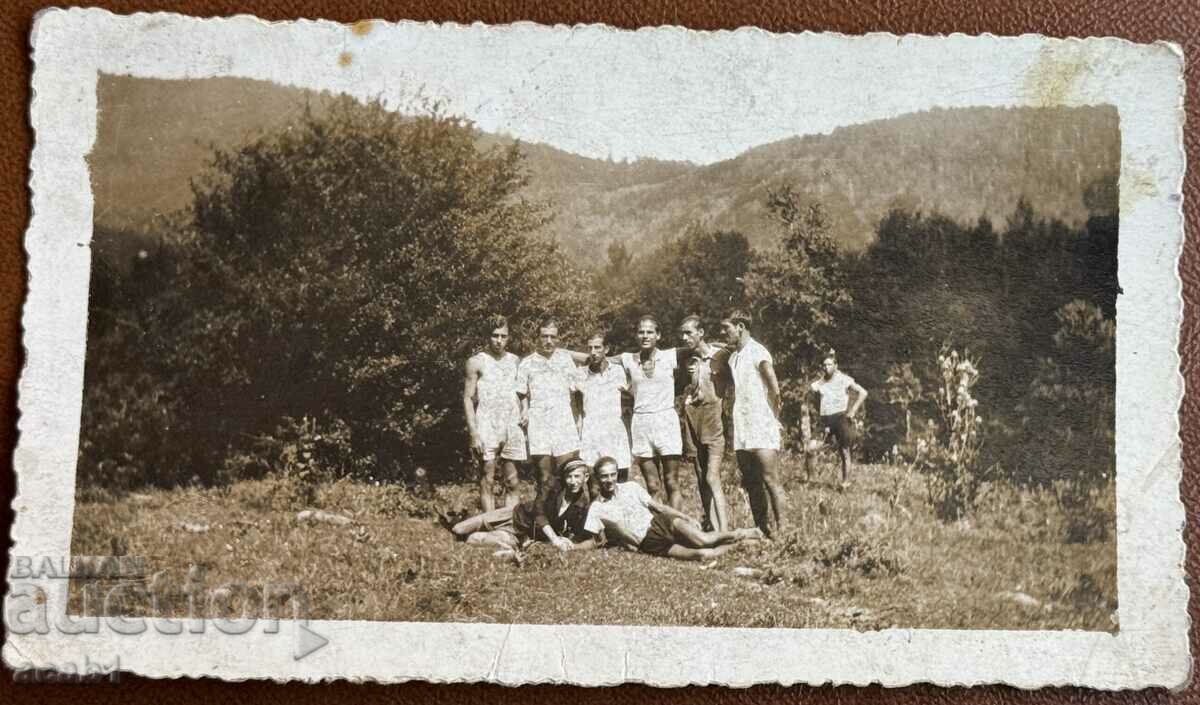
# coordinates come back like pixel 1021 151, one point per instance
pixel 307 641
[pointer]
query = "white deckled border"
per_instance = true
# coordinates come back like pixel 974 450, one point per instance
pixel 669 93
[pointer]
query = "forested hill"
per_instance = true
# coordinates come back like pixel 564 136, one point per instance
pixel 154 136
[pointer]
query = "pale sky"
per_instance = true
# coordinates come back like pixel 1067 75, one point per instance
pixel 599 92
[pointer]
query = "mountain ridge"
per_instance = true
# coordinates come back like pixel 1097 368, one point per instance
pixel 965 163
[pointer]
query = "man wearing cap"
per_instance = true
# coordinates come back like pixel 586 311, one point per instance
pixel 559 520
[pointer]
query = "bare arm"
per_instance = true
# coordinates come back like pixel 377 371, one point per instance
pixel 469 387
pixel 767 370
pixel 860 395
pixel 670 511
pixel 586 545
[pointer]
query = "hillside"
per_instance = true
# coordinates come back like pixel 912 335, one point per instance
pixel 155 135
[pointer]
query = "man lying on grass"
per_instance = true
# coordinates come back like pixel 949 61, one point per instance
pixel 558 521
pixel 630 518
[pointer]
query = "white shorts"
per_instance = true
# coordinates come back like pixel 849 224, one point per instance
pixel 553 433
pixel 606 436
pixel 657 433
pixel 501 434
pixel 755 431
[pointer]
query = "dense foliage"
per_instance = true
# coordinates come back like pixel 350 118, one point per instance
pixel 312 312
pixel 339 269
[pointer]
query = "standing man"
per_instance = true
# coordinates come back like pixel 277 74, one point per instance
pixel 834 388
pixel 602 383
pixel 493 414
pixel 703 430
pixel 756 431
pixel 657 443
pixel 544 388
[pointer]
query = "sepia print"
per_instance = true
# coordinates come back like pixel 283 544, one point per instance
pixel 395 355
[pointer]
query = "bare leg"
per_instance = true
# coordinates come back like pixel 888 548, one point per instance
pixel 752 482
pixel 776 498
pixel 670 475
pixel 483 522
pixel 503 539
pixel 487 498
pixel 512 484
pixel 651 475
pixel 543 475
pixel 699 465
pixel 683 553
pixel 689 535
pixel 715 508
pixel 845 464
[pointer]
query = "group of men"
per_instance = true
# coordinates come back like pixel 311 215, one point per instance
pixel 525 410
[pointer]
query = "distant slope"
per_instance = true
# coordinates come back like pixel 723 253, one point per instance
pixel 155 135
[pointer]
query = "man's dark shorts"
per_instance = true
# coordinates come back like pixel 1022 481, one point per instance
pixel 702 428
pixel 840 427
pixel 659 537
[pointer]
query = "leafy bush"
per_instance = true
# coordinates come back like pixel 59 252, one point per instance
pixel 339 268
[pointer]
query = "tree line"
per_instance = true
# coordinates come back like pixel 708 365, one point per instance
pixel 312 311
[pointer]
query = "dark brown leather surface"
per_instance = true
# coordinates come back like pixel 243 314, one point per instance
pixel 1176 20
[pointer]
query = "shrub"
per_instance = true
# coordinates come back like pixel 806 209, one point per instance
pixel 951 466
pixel 338 268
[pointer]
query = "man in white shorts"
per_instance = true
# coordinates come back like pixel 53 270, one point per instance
pixel 756 429
pixel 602 383
pixel 493 415
pixel 544 388
pixel 657 443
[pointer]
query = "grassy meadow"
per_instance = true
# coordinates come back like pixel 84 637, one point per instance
pixel 870 557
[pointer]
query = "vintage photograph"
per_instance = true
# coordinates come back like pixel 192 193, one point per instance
pixel 434 373
pixel 443 331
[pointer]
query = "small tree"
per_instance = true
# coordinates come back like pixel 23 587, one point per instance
pixel 903 390
pixel 797 290
pixel 1070 419
pixel 951 466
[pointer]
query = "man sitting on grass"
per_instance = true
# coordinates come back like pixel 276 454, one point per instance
pixel 559 521
pixel 630 518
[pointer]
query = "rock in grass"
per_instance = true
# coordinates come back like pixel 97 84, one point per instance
pixel 747 572
pixel 317 516
pixel 1019 598
pixel 194 527
pixel 873 521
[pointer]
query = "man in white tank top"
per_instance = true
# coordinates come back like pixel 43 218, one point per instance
pixel 756 428
pixel 492 413
pixel 657 443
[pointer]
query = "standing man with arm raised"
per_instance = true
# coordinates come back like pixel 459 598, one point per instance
pixel 491 409
pixel 834 388
pixel 756 428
